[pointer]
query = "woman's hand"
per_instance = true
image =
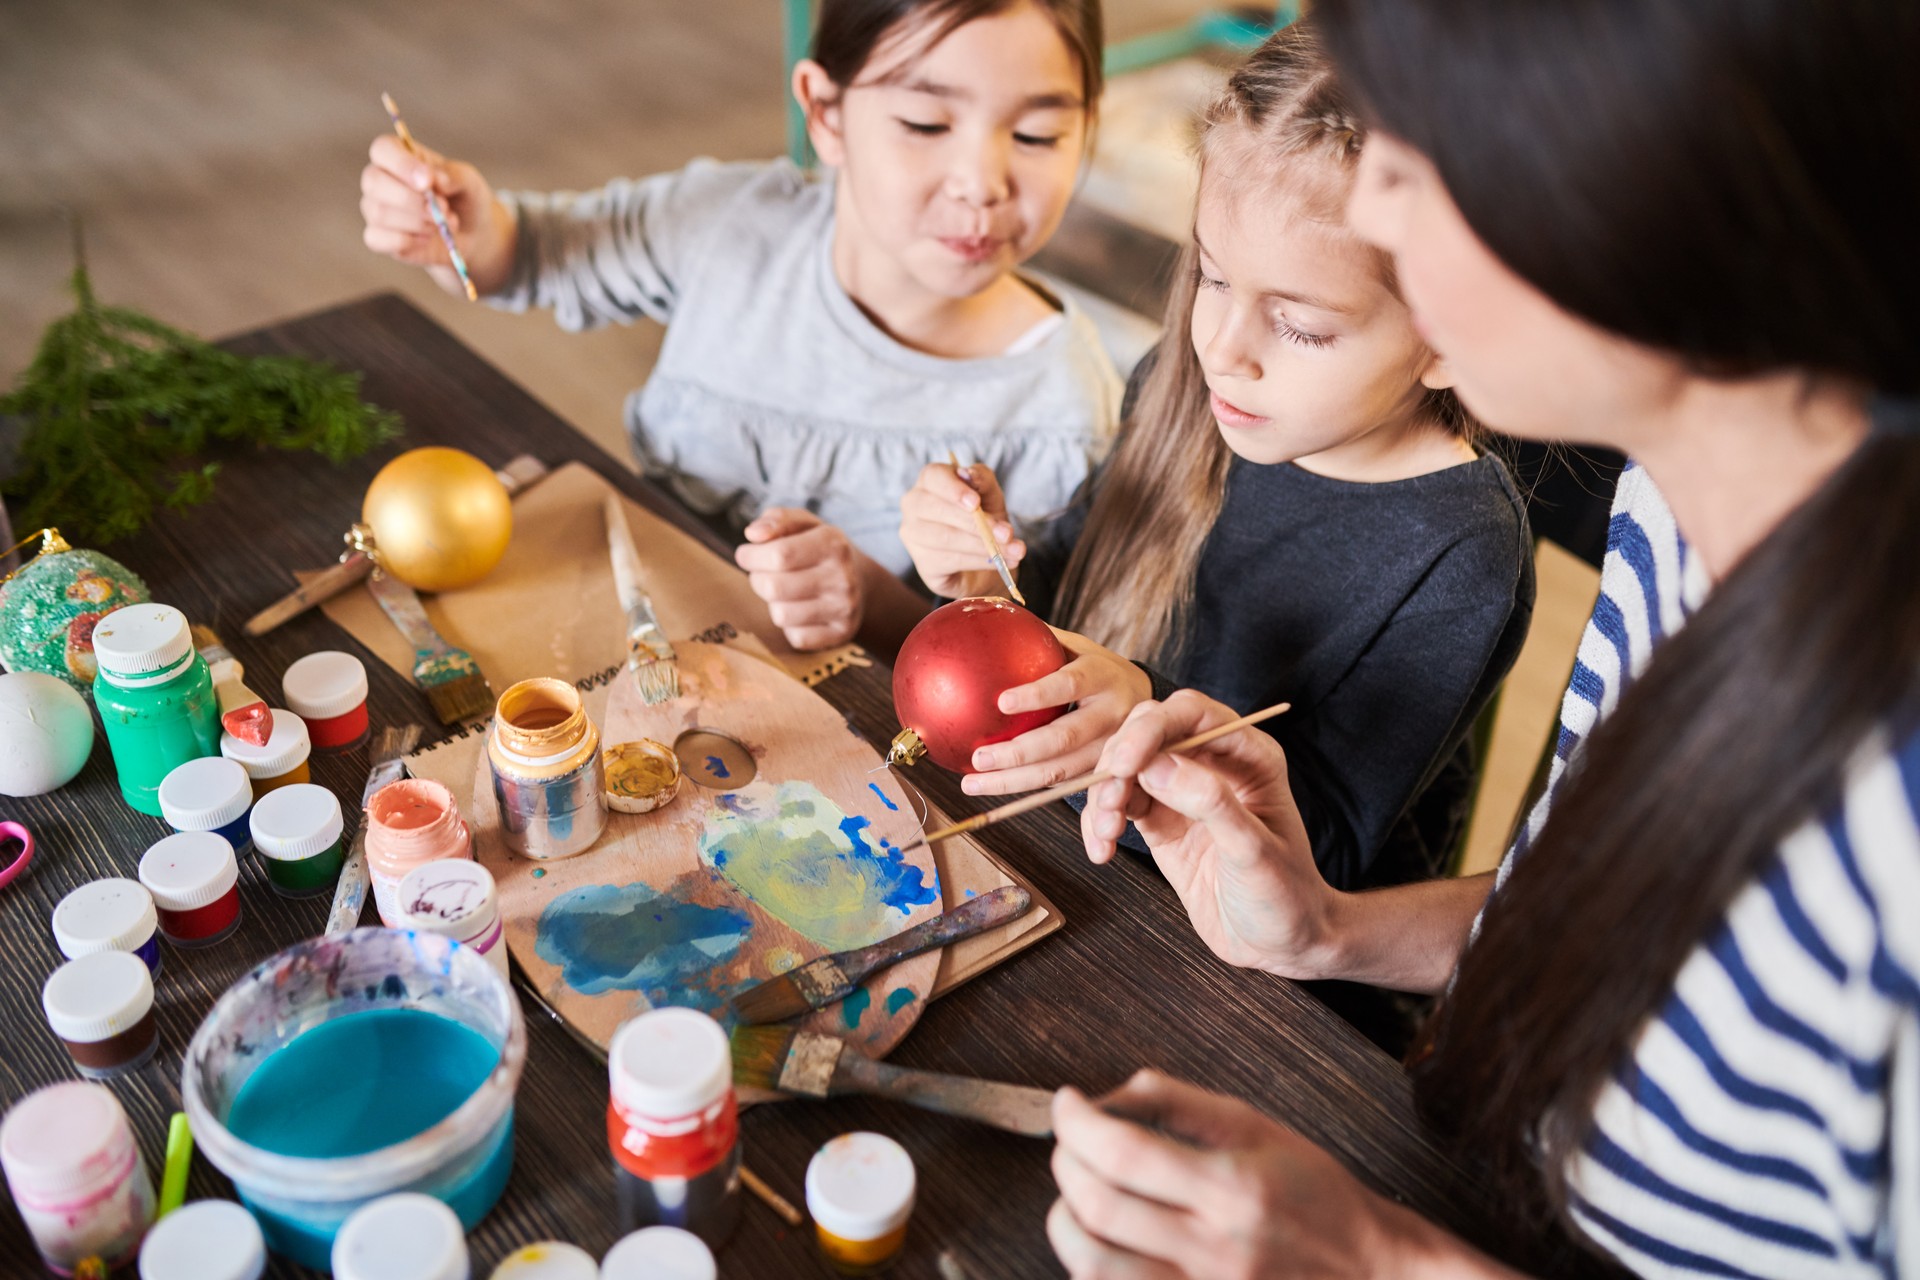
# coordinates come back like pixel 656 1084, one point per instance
pixel 810 575
pixel 393 202
pixel 1103 686
pixel 1223 828
pixel 936 524
pixel 1162 1179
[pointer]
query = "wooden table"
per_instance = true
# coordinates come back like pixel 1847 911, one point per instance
pixel 1126 983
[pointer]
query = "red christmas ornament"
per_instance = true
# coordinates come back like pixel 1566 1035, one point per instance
pixel 951 671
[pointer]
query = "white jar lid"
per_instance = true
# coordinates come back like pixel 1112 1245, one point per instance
pixel 188 870
pixel 451 896
pixel 64 1138
pixel 205 1240
pixel 547 1260
pixel 669 1063
pixel 287 745
pixel 296 821
pixel 139 639
pixel 323 685
pixel 97 997
pixel 659 1253
pixel 408 1236
pixel 860 1186
pixel 104 915
pixel 205 794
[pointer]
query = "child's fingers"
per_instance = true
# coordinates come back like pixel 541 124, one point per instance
pixel 813 611
pixel 827 581
pixel 414 172
pixel 942 482
pixel 808 639
pixel 780 522
pixel 1048 744
pixel 414 250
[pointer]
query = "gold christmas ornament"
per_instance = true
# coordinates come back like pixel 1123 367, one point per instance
pixel 440 518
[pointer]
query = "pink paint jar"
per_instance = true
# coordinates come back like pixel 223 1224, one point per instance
pixel 328 690
pixel 456 897
pixel 76 1175
pixel 410 823
pixel 195 882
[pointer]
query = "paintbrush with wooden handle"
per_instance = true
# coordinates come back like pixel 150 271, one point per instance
pixel 995 556
pixel 655 666
pixel 1040 799
pixel 243 713
pixel 818 983
pixel 789 1060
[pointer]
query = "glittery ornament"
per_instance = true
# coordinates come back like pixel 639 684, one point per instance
pixel 49 608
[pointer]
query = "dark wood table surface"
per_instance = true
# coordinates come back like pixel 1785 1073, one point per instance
pixel 1125 984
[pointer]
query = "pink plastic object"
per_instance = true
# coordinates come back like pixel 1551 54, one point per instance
pixel 14 831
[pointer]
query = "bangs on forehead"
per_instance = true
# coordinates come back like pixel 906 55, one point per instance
pixel 913 37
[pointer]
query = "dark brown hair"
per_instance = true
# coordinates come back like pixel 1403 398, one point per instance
pixel 1732 181
pixel 849 31
pixel 1128 583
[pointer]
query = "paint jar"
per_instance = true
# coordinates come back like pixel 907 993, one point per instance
pixel 76 1175
pixel 402 1237
pixel 547 776
pixel 659 1253
pixel 328 1010
pixel 459 901
pixel 101 1007
pixel 673 1126
pixel 155 697
pixel 209 794
pixel 410 823
pixel 547 1260
pixel 282 762
pixel 205 1240
pixel 115 914
pixel 297 829
pixel 860 1194
pixel 195 882
pixel 328 690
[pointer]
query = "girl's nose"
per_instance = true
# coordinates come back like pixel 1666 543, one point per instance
pixel 979 175
pixel 1229 352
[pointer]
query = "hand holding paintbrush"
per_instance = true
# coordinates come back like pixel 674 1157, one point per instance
pixel 425 210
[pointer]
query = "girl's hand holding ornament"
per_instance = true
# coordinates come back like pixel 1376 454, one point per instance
pixel 936 524
pixel 1101 685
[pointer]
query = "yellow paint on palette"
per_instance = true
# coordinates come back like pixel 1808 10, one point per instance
pixel 780 959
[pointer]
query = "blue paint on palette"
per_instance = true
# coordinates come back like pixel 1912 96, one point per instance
pixel 901 885
pixel 717 767
pixel 854 1007
pixel 898 999
pixel 607 937
pixel 875 788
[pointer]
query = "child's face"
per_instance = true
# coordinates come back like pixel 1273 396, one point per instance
pixel 959 160
pixel 1306 350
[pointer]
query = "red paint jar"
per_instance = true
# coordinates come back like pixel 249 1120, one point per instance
pixel 673 1125
pixel 328 690
pixel 195 882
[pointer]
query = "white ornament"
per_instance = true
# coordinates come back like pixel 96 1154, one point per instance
pixel 46 733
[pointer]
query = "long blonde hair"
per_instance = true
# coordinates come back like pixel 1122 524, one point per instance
pixel 1129 581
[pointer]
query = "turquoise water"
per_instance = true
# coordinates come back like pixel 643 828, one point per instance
pixel 357 1084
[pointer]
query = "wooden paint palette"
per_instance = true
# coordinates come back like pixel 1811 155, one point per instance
pixel 721 889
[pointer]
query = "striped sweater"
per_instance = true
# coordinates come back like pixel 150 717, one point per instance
pixel 1768 1123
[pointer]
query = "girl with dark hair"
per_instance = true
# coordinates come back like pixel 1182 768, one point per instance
pixel 827 338
pixel 1683 1020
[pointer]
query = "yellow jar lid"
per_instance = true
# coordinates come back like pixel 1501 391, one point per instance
pixel 641 776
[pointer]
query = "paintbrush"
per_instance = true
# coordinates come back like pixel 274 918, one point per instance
pixel 390 748
pixel 449 676
pixel 433 201
pixel 243 713
pixel 655 667
pixel 789 1060
pixel 994 555
pixel 1040 799
pixel 818 983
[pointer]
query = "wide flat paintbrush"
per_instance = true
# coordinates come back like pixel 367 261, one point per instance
pixel 1040 799
pixel 449 676
pixel 995 556
pixel 818 983
pixel 243 713
pixel 793 1061
pixel 655 666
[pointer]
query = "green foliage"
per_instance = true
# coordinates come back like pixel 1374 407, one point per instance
pixel 120 410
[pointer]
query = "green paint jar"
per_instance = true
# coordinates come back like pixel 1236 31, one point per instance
pixel 297 832
pixel 155 697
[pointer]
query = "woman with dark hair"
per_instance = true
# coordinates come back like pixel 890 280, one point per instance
pixel 1684 1018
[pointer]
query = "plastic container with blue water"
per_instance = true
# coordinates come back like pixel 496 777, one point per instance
pixel 349 1068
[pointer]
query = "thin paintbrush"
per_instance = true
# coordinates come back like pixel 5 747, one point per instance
pixel 433 201
pixel 818 983
pixel 243 713
pixel 449 676
pixel 390 748
pixel 655 667
pixel 804 1062
pixel 1040 799
pixel 995 556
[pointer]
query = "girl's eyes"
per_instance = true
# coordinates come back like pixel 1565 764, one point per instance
pixel 1036 140
pixel 923 130
pixel 1205 281
pixel 1285 330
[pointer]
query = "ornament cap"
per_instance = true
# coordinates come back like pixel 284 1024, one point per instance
pixel 905 748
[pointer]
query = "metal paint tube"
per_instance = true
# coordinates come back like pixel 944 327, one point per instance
pixel 548 779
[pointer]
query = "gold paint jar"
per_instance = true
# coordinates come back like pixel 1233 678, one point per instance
pixel 549 783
